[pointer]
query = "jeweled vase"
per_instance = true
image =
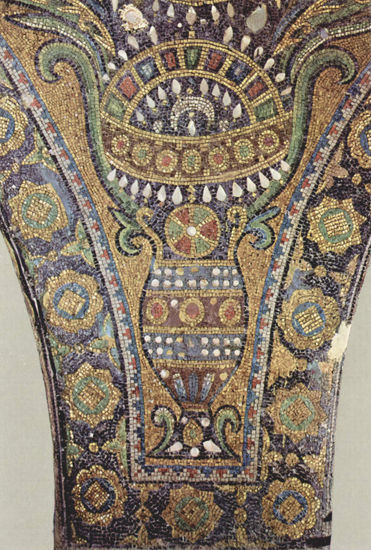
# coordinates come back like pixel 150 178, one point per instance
pixel 194 313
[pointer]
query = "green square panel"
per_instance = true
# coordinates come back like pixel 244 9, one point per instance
pixel 265 110
pixel 115 107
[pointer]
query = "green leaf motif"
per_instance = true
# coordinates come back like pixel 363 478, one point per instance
pixel 118 446
pixel 80 246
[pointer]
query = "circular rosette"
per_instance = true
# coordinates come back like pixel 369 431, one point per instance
pixel 268 141
pixel 12 125
pixel 335 225
pixel 90 394
pixel 120 145
pixel 230 311
pixel 142 154
pixel 192 311
pixel 98 496
pixel 191 513
pixel 166 161
pixel 157 311
pixel 297 412
pixel 38 211
pixel 309 319
pixel 219 158
pixel 289 508
pixel 244 151
pixel 72 301
pixel 192 231
pixel 192 161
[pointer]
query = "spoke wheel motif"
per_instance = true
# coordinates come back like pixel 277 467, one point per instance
pixel 193 231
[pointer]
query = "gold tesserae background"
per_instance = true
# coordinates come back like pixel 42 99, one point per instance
pixel 26 463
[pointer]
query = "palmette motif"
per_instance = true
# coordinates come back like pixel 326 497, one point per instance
pixel 185 193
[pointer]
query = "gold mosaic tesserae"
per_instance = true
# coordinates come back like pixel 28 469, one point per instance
pixel 185 191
